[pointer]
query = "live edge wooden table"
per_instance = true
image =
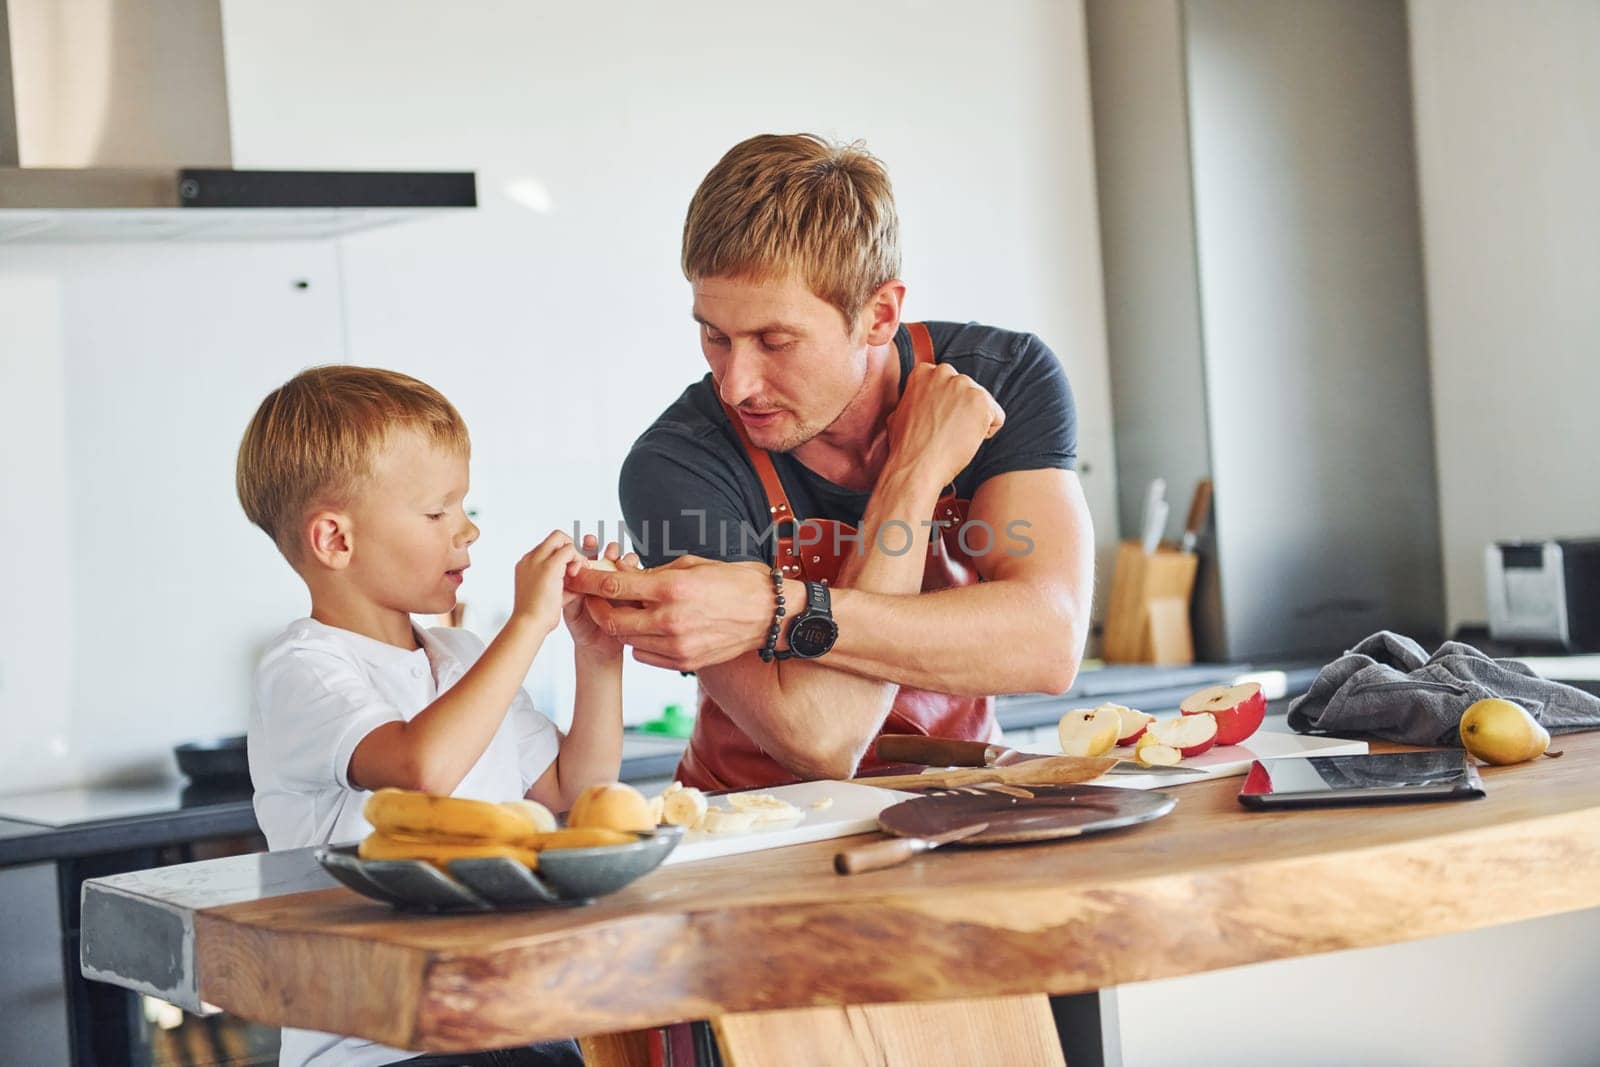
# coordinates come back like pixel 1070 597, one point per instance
pixel 948 959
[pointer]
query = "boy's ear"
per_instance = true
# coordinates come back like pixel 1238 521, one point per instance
pixel 329 539
pixel 881 316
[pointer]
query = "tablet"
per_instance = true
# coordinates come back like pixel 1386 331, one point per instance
pixel 1387 778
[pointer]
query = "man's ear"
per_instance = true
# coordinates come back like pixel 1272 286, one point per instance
pixel 329 539
pixel 881 316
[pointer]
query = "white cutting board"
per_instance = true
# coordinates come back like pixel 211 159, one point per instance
pixel 1229 761
pixel 854 811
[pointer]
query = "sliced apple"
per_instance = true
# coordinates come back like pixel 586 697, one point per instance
pixel 1089 731
pixel 1152 753
pixel 1238 709
pixel 1189 734
pixel 1133 723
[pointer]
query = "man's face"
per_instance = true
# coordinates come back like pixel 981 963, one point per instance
pixel 780 356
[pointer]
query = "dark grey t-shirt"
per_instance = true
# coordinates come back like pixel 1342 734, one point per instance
pixel 687 486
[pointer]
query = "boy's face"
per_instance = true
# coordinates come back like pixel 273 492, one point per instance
pixel 410 530
pixel 780 356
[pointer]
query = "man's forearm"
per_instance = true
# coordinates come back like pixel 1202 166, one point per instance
pixel 1015 637
pixel 843 710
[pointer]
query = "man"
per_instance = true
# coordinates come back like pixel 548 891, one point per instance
pixel 882 522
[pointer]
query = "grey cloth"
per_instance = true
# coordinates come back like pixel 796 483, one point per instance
pixel 1388 687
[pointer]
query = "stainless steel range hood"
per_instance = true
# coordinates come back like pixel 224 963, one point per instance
pixel 114 126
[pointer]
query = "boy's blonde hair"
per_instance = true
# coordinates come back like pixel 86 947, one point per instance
pixel 778 204
pixel 314 438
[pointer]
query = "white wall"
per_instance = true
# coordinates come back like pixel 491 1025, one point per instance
pixel 127 373
pixel 1508 139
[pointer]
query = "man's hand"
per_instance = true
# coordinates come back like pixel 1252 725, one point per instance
pixel 587 636
pixel 942 418
pixel 693 612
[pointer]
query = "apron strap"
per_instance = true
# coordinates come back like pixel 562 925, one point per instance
pixel 921 341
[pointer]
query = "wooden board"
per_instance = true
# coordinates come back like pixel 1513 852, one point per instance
pixel 850 809
pixel 1004 1030
pixel 1209 886
pixel 1051 812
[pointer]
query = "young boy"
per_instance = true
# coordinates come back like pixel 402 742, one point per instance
pixel 359 476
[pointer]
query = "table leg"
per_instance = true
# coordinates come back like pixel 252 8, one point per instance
pixel 628 1049
pixel 1009 1030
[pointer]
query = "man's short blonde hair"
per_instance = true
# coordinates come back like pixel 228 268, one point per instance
pixel 782 204
pixel 313 441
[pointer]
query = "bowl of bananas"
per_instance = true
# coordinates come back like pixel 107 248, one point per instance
pixel 450 854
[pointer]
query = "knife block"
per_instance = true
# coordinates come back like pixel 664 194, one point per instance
pixel 1147 615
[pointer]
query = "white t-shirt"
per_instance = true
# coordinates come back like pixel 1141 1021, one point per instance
pixel 318 691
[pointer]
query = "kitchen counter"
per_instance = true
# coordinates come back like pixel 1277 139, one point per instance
pixel 771 945
pixel 67 823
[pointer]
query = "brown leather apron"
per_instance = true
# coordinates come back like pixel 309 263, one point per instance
pixel 722 756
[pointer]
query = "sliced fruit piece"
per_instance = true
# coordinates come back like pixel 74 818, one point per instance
pixel 1157 755
pixel 1238 709
pixel 720 821
pixel 1189 734
pixel 658 809
pixel 1089 731
pixel 1133 723
pixel 536 813
pixel 683 807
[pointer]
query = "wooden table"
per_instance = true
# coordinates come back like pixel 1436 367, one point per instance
pixel 794 964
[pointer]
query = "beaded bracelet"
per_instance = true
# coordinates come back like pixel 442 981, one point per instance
pixel 768 654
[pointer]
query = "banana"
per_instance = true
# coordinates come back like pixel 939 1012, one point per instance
pixel 381 846
pixel 657 806
pixel 768 809
pixel 543 821
pixel 589 837
pixel 684 807
pixel 402 812
pixel 718 821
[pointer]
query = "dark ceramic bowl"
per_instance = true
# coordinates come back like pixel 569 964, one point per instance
pixel 565 876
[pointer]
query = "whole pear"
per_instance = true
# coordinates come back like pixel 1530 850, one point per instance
pixel 1498 731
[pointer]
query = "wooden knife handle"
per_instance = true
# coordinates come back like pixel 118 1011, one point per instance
pixel 932 751
pixel 1199 508
pixel 878 855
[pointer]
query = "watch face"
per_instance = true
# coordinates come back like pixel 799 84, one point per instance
pixel 813 636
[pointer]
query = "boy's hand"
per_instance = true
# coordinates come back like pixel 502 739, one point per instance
pixel 540 577
pixel 589 638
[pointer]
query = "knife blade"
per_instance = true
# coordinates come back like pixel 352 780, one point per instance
pixel 896 850
pixel 951 752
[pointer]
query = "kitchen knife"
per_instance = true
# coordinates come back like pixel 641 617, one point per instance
pixel 948 752
pixel 1199 512
pixel 896 850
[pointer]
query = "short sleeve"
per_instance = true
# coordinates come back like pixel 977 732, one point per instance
pixel 680 497
pixel 538 740
pixel 1041 427
pixel 315 707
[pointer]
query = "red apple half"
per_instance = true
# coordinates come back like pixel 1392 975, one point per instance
pixel 1238 709
pixel 1134 723
pixel 1189 734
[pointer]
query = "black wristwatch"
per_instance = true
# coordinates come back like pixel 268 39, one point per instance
pixel 813 631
